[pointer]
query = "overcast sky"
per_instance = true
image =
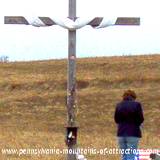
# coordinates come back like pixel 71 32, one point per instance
pixel 21 42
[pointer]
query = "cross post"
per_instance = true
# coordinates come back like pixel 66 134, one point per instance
pixel 71 85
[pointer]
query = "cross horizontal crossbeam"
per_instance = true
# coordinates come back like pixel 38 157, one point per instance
pixel 49 22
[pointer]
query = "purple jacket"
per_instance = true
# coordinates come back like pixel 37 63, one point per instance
pixel 129 117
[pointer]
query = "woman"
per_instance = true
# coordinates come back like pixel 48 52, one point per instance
pixel 129 117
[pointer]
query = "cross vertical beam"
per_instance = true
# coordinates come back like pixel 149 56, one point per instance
pixel 71 83
pixel 71 86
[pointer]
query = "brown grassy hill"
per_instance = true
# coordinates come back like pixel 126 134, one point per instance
pixel 33 111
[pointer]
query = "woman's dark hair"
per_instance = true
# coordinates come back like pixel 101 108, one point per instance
pixel 130 93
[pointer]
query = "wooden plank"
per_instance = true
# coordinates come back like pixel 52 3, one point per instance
pixel 120 21
pixel 128 21
pixel 71 83
pixel 48 21
pixel 95 22
pixel 15 20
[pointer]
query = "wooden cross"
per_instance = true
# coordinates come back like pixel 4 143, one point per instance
pixel 71 83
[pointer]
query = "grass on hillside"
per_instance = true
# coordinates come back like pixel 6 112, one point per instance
pixel 33 111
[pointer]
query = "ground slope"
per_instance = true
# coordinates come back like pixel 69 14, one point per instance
pixel 33 111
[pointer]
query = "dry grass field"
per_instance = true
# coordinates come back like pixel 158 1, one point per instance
pixel 33 111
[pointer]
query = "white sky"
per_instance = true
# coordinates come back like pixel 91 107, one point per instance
pixel 21 42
